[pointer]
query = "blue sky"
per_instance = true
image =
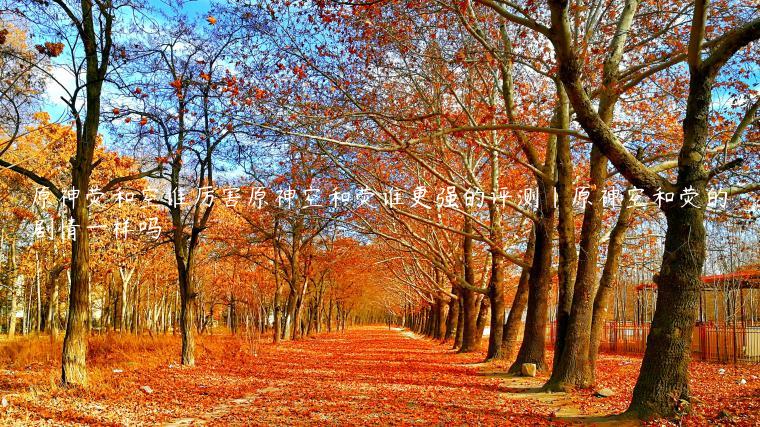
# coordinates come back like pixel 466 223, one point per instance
pixel 53 104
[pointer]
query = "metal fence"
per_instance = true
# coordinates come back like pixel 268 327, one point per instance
pixel 727 343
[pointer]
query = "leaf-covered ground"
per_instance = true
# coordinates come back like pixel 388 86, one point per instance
pixel 363 376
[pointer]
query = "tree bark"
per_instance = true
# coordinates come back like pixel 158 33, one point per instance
pixel 13 308
pixel 568 257
pixel 482 321
pixel 187 307
pixel 470 301
pixel 533 347
pixel 441 306
pixel 458 336
pixel 572 368
pixel 664 374
pixel 37 280
pixel 520 301
pixel 498 306
pixel 496 281
pixel 73 370
pixel 452 318
pixel 607 282
pixel 125 276
pixel 663 378
pixel 52 313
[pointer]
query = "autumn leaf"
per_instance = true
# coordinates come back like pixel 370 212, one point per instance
pixel 50 49
pixel 299 72
pixel 22 214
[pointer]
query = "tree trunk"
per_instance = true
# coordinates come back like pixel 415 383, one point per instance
pixel 458 337
pixel 125 275
pixel 52 314
pixel 607 282
pixel 277 304
pixel 470 300
pixel 496 294
pixel 568 257
pixel 38 320
pixel 514 319
pixel 329 314
pixel 664 375
pixel 441 307
pixel 13 283
pixel 663 378
pixel 277 308
pixel 429 321
pixel 298 316
pixel 452 318
pixel 482 320
pixel 572 368
pixel 135 325
pixel 498 306
pixel 187 305
pixel 73 370
pixel 470 306
pixel 533 347
pixel 13 307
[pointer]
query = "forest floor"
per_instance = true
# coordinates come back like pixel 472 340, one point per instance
pixel 366 375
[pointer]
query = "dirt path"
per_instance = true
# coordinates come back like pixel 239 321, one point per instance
pixel 377 376
pixel 365 376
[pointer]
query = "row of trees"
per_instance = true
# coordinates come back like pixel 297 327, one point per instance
pixel 170 104
pixel 486 150
pixel 579 94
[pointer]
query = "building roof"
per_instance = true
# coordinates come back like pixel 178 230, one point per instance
pixel 745 278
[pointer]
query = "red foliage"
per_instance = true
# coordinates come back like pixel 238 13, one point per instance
pixel 50 49
pixel 363 376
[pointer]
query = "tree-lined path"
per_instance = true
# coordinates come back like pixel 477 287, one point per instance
pixel 204 206
pixel 368 375
pixel 364 376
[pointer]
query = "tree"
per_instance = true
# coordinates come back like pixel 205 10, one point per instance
pixel 397 111
pixel 87 27
pixel 20 81
pixel 664 373
pixel 580 50
pixel 184 98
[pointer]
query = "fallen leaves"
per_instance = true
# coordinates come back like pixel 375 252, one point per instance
pixel 359 377
pixel 362 376
pixel 715 389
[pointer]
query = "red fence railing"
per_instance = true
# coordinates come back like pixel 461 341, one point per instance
pixel 725 343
